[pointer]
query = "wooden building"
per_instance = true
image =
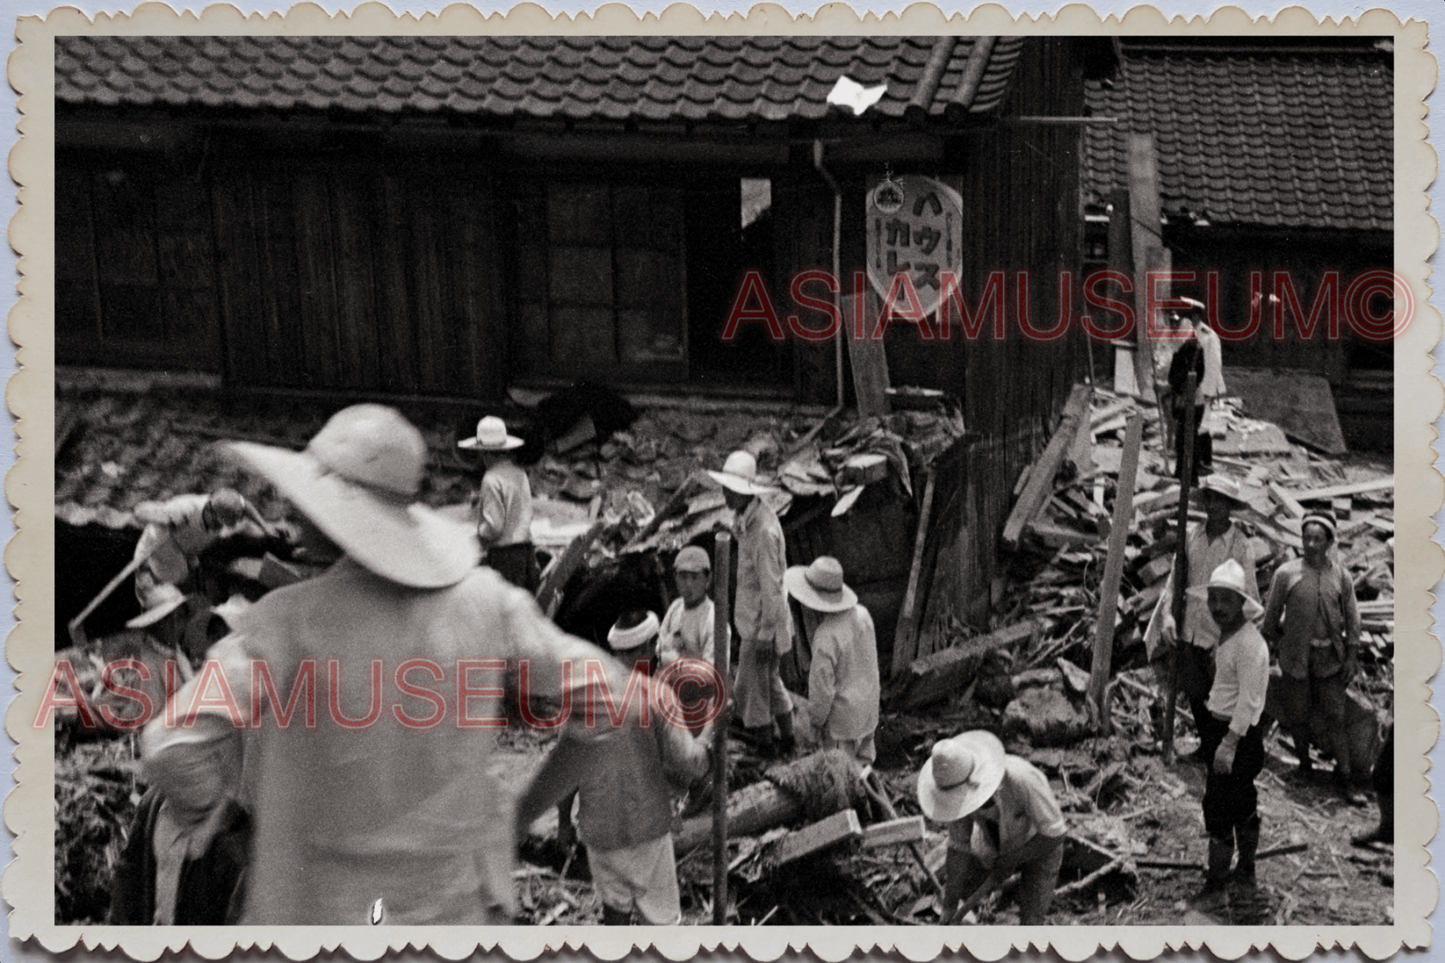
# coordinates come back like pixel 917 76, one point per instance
pixel 448 216
pixel 1274 156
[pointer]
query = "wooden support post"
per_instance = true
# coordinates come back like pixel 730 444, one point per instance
pixel 837 828
pixel 1114 571
pixel 895 832
pixel 866 355
pixel 905 638
pixel 1181 567
pixel 1041 478
pixel 1147 247
pixel 722 617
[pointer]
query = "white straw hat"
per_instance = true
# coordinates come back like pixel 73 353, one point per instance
pixel 357 481
pixel 1223 485
pixel 820 585
pixel 491 436
pixel 1230 575
pixel 960 776
pixel 739 473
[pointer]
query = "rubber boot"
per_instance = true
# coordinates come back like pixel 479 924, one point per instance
pixel 1306 770
pixel 1385 831
pixel 787 741
pixel 1246 837
pixel 1221 854
pixel 616 917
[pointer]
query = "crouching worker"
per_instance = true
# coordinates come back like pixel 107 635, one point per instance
pixel 1001 816
pixel 625 799
pixel 843 679
pixel 184 861
pixel 1229 733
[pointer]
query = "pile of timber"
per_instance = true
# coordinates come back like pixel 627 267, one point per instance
pixel 1066 507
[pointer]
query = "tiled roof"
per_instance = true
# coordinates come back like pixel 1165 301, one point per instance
pixel 1281 139
pixel 610 78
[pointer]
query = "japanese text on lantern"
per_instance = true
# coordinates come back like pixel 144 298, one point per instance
pixel 915 226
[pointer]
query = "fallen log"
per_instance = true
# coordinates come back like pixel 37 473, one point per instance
pixel 818 785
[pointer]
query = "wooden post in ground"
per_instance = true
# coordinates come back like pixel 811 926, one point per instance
pixel 1181 564
pixel 905 637
pixel 1114 571
pixel 1147 247
pixel 721 583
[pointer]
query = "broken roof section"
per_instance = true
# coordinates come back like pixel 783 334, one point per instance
pixel 1265 135
pixel 660 79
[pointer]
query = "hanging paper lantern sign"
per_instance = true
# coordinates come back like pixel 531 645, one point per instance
pixel 915 227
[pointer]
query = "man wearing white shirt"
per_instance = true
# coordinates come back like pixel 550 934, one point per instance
pixel 1229 732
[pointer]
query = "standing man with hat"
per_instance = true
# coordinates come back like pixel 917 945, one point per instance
pixel 373 812
pixel 1313 625
pixel 1001 816
pixel 504 505
pixel 760 612
pixel 843 681
pixel 1207 546
pixel 1200 353
pixel 1232 740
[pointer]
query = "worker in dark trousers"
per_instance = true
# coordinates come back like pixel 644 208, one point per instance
pixel 1230 731
pixel 1383 779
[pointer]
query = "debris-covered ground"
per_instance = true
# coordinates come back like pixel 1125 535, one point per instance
pixel 619 490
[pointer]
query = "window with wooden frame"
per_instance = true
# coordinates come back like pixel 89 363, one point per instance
pixel 601 281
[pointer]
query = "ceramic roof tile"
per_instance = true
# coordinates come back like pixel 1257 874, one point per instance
pixel 1266 137
pixel 695 78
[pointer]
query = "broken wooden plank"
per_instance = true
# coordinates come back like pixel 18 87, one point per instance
pixel 1041 479
pixel 1335 491
pixel 549 593
pixel 1057 536
pixel 1113 572
pixel 945 673
pixel 905 638
pixel 840 827
pixel 1342 507
pixel 895 832
pixel 1290 503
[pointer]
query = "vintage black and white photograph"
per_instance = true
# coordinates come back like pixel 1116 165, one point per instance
pixel 874 480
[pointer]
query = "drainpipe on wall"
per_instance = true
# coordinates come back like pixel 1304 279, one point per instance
pixel 837 268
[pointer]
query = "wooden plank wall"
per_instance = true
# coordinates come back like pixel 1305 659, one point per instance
pixel 369 279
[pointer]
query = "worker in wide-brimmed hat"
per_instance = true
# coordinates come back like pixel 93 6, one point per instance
pixel 1229 730
pixel 370 809
pixel 843 688
pixel 1312 622
pixel 760 607
pixel 1002 818
pixel 1206 546
pixel 504 504
pixel 625 799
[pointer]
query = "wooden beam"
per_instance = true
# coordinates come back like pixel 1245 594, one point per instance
pixel 1114 571
pixel 554 580
pixel 722 618
pixel 837 828
pixel 895 832
pixel 1290 503
pixel 1041 478
pixel 905 638
pixel 866 355
pixel 1336 491
pixel 944 673
pixel 1149 253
